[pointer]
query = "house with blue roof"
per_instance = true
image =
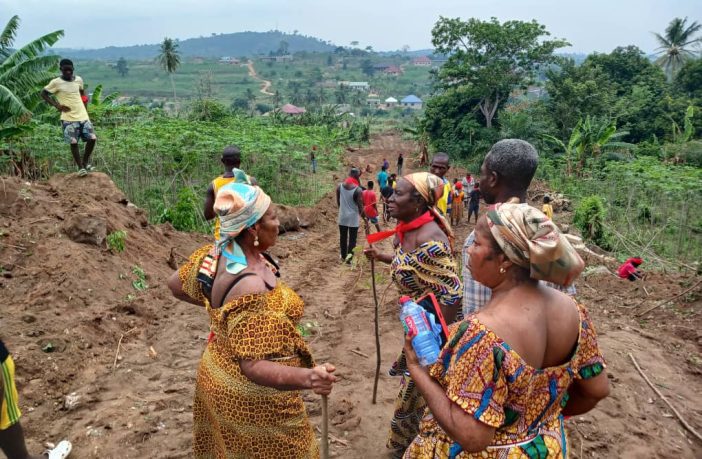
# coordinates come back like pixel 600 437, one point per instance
pixel 411 101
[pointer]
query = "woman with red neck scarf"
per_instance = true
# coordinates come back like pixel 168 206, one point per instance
pixel 422 263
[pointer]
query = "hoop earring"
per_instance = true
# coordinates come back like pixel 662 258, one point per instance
pixel 256 241
pixel 502 270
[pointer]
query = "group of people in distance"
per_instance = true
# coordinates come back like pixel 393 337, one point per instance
pixel 521 352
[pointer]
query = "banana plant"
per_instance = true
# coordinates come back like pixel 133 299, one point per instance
pixel 23 73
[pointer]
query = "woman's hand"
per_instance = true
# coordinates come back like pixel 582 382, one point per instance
pixel 321 379
pixel 371 253
pixel 410 355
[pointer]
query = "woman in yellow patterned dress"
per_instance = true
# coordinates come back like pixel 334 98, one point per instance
pixel 511 371
pixel 421 263
pixel 248 401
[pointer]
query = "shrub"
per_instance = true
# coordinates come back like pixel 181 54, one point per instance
pixel 183 215
pixel 589 219
pixel 207 110
pixel 116 241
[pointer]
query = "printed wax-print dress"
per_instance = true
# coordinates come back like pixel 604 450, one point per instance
pixel 492 383
pixel 430 268
pixel 234 417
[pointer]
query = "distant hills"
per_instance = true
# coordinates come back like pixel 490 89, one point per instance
pixel 230 44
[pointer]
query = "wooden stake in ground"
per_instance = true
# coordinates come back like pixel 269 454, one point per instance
pixel 639 314
pixel 377 333
pixel 665 400
pixel 325 428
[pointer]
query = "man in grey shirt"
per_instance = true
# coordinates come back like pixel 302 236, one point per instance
pixel 506 173
pixel 350 202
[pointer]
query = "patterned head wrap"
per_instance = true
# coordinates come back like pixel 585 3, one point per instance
pixel 239 206
pixel 431 188
pixel 531 240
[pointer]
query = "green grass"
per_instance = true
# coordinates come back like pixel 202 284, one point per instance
pixel 226 82
pixel 146 79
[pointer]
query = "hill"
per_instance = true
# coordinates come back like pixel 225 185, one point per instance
pixel 230 44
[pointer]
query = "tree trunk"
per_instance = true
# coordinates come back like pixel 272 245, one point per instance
pixel 175 101
pixel 488 108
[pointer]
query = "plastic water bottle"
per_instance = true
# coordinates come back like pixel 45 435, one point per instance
pixel 422 325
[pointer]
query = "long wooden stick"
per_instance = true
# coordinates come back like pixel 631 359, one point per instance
pixel 638 314
pixel 325 428
pixel 377 332
pixel 672 408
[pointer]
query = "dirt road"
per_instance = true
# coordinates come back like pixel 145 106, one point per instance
pixel 135 399
pixel 265 84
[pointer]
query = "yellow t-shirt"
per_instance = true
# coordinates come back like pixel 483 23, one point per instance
pixel 442 203
pixel 68 93
pixel 548 210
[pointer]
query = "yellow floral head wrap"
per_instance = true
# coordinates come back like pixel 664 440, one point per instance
pixel 431 188
pixel 531 240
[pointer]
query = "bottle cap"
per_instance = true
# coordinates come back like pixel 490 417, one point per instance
pixel 404 299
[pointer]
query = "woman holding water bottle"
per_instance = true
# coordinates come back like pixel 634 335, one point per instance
pixel 422 262
pixel 510 372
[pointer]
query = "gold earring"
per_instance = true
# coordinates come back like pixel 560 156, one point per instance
pixel 502 270
pixel 256 241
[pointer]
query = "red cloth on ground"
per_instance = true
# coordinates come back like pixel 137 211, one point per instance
pixel 369 201
pixel 401 228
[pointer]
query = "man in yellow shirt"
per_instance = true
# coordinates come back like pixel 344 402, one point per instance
pixel 231 158
pixel 440 165
pixel 547 208
pixel 69 98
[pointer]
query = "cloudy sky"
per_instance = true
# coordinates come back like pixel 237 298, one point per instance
pixel 589 25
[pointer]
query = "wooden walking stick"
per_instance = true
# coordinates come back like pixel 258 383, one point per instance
pixel 325 428
pixel 377 332
pixel 377 323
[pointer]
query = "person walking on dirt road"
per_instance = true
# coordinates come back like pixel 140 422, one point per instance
pixel 440 165
pixel 510 372
pixel 349 199
pixel 400 163
pixel 71 101
pixel 474 202
pixel 422 263
pixel 370 205
pixel 231 159
pixel 248 392
pixel 11 434
pixel 506 173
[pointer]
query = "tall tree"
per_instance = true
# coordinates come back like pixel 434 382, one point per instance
pixel 491 58
pixel 675 45
pixel 169 59
pixel 23 73
pixel 122 67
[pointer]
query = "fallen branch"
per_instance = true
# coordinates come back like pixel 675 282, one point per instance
pixel 119 344
pixel 335 439
pixel 639 314
pixel 672 408
pixel 359 353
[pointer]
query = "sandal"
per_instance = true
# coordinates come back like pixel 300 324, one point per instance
pixel 82 173
pixel 60 451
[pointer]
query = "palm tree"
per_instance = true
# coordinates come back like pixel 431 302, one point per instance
pixel 672 50
pixel 169 59
pixel 23 73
